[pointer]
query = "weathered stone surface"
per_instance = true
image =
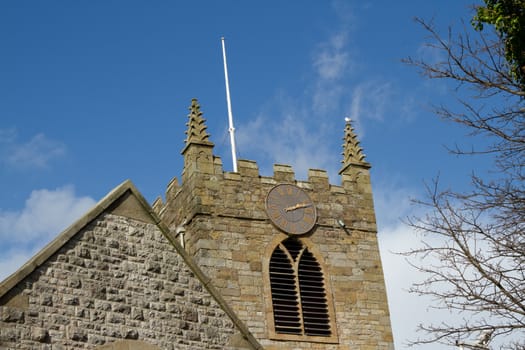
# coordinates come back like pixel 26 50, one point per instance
pixel 94 304
pixel 11 314
pixel 39 334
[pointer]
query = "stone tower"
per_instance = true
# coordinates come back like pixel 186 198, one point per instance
pixel 300 267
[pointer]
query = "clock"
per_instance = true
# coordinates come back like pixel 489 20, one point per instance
pixel 291 209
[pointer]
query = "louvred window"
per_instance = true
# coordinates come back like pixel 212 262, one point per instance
pixel 300 305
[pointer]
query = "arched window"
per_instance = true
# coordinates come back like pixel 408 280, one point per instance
pixel 298 291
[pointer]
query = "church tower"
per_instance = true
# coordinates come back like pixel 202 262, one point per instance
pixel 297 261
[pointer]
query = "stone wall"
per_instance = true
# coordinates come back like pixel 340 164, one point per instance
pixel 118 278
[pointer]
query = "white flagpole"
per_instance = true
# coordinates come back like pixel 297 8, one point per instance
pixel 230 116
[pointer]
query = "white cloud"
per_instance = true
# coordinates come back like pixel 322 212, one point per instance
pixel 332 59
pixel 7 135
pixel 336 72
pixel 332 64
pixel 35 153
pixel 407 310
pixel 292 131
pixel 13 259
pixel 432 55
pixel 370 100
pixel 287 142
pixel 409 107
pixel 45 215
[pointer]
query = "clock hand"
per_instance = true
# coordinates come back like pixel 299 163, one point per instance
pixel 297 206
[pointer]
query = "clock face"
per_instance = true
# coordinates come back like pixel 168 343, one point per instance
pixel 290 209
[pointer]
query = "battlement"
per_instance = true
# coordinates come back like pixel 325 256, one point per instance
pixel 248 171
pixel 206 189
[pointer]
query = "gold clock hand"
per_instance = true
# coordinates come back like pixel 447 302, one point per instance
pixel 297 206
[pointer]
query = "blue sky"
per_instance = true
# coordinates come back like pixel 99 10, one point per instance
pixel 93 93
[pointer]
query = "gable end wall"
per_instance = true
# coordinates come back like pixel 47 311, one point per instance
pixel 118 278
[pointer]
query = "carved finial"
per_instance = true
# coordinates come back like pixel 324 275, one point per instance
pixel 196 132
pixel 352 152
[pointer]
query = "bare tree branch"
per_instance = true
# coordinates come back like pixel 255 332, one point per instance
pixel 477 266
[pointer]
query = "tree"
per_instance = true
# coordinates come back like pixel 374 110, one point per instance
pixel 478 266
pixel 508 18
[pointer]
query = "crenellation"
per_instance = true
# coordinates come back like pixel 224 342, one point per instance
pixel 157 205
pixel 248 168
pixel 217 164
pixel 319 179
pixel 172 189
pixel 283 173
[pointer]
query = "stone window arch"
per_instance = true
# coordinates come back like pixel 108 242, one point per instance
pixel 301 304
